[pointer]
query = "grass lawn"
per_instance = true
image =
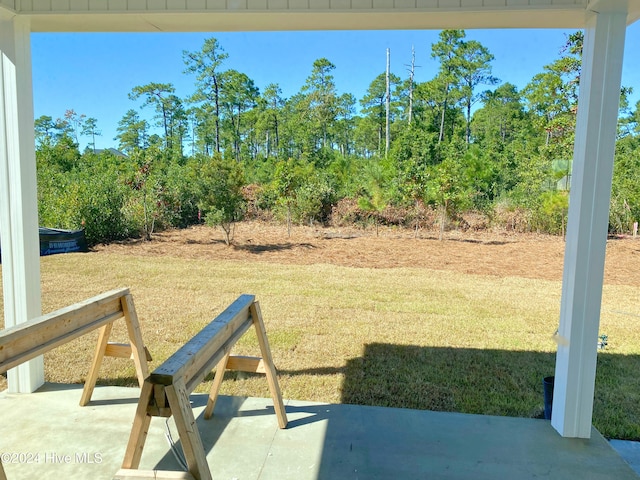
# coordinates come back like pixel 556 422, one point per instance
pixel 402 337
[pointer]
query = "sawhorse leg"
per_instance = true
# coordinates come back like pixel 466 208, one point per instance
pixel 92 377
pixel 270 369
pixel 138 353
pixel 188 430
pixel 215 387
pixel 139 430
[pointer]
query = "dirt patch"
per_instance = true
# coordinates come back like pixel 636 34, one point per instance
pixel 481 253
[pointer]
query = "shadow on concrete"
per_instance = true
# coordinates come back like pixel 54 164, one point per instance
pixel 210 430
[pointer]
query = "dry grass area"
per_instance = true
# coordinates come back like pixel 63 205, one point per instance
pixel 480 253
pixel 459 325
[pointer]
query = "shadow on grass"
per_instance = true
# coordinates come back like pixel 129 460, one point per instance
pixel 468 240
pixel 274 247
pixel 481 381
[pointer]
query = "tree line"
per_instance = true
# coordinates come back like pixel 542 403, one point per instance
pixel 460 143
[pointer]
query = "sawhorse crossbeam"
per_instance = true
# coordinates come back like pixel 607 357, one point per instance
pixel 166 392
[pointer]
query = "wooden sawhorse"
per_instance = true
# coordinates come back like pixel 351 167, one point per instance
pixel 166 391
pixel 30 339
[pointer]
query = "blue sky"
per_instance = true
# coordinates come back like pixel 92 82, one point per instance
pixel 93 73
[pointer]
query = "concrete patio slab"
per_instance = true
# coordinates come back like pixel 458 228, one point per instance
pixel 46 435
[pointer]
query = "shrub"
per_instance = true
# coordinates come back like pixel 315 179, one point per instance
pixel 219 186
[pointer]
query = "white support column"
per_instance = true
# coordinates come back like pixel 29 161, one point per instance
pixel 18 193
pixel 588 220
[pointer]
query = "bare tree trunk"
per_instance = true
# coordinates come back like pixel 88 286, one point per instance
pixel 443 219
pixel 216 90
pixel 442 118
pixel 388 105
pixel 411 73
pixel 468 123
pixel 147 228
pixel 268 144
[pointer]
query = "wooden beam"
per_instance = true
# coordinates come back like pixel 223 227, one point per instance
pixel 198 356
pixel 123 350
pixel 135 337
pixel 140 428
pixel 245 364
pixel 28 340
pixel 192 447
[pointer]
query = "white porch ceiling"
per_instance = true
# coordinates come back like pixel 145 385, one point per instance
pixel 266 15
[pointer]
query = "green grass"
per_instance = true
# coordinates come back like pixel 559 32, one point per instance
pixel 400 337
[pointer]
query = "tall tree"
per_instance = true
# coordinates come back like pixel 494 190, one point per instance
pixel 45 129
pixel 373 103
pixel 387 105
pixel 321 98
pixel 238 94
pixel 446 51
pixel 500 118
pixel 553 97
pixel 177 122
pixel 344 124
pixel 412 70
pixel 74 121
pixel 474 69
pixel 133 133
pixel 160 96
pixel 272 104
pixel 205 65
pixel 90 128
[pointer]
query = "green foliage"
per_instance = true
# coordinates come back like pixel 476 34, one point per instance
pixel 91 196
pixel 414 153
pixel 304 155
pixel 448 190
pixel 625 194
pixel 373 197
pixel 314 198
pixel 101 201
pixel 219 185
pixel 551 213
